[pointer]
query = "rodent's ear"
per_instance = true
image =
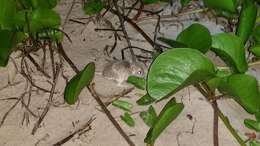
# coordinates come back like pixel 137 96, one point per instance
pixel 127 64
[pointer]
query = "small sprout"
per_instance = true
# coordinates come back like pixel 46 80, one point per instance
pixel 124 105
pixel 128 119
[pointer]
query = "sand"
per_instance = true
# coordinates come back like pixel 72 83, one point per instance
pixel 192 128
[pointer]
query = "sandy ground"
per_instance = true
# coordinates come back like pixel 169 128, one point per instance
pixel 87 46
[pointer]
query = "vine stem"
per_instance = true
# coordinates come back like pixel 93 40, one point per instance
pixel 230 128
pixel 211 97
pixel 215 123
pixel 222 117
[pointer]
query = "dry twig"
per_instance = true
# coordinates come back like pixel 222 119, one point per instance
pixel 47 107
pixel 86 127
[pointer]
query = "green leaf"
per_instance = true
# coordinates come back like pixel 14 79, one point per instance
pixel 39 3
pixel 257 116
pixel 53 35
pixel 244 89
pixel 149 116
pixel 167 1
pixel 170 112
pixel 196 36
pixel 92 7
pixel 247 20
pixel 20 18
pixel 256 51
pixel 175 69
pixel 252 124
pixel 78 82
pixel 254 143
pixel 20 37
pixel 145 100
pixel 226 14
pixel 256 33
pixel 150 1
pixel 25 4
pixel 138 82
pixel 45 3
pixel 185 2
pixel 226 5
pixel 128 119
pixel 44 18
pixel 231 50
pixel 7 41
pixel 214 82
pixel 124 105
pixel 7 12
pixel 172 43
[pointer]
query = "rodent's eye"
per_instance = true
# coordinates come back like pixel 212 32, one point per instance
pixel 139 72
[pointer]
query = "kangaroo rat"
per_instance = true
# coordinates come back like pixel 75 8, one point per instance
pixel 119 70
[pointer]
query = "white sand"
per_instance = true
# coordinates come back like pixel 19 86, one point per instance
pixel 87 45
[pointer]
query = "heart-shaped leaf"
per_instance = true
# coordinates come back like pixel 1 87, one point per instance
pixel 7 41
pixel 175 69
pixel 45 3
pixel 149 116
pixel 25 4
pixel 252 124
pixel 247 19
pixel 196 36
pixel 230 49
pixel 145 100
pixel 7 12
pixel 127 118
pixel 44 18
pixel 244 89
pixel 92 7
pixel 124 105
pixel 226 5
pixel 35 4
pixel 172 43
pixel 78 82
pixel 170 112
pixel 254 143
pixel 138 82
pixel 20 18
